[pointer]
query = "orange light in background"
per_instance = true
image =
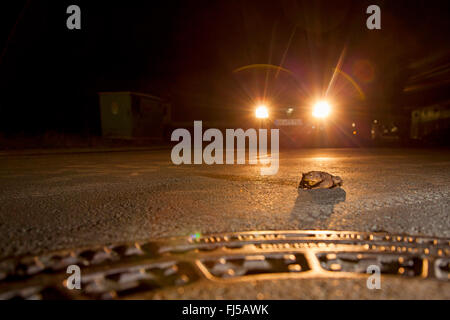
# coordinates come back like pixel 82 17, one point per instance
pixel 262 112
pixel 364 70
pixel 321 109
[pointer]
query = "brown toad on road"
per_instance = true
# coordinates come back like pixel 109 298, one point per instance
pixel 319 180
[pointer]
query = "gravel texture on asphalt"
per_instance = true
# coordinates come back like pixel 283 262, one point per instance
pixel 61 201
pixel 309 289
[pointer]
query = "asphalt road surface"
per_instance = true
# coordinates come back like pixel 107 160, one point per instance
pixel 57 201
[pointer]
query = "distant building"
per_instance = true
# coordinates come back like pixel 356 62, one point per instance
pixel 133 115
pixel 426 98
pixel 430 120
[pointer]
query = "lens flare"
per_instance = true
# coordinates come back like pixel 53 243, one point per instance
pixel 262 112
pixel 195 236
pixel 321 109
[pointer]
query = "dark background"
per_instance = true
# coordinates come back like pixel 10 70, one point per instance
pixel 186 51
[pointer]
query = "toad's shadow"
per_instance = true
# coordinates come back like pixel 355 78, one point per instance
pixel 318 203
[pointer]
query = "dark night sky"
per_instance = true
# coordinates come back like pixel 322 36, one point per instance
pixel 187 50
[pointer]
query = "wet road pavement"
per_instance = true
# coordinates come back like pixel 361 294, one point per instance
pixel 69 200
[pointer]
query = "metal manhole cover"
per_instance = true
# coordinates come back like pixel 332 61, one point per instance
pixel 128 270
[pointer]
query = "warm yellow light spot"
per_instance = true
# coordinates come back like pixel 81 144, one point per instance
pixel 295 267
pixel 354 132
pixel 321 109
pixel 322 158
pixel 335 267
pixel 230 272
pixel 262 112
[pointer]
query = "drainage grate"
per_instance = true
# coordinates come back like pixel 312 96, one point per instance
pixel 128 270
pixel 359 262
pixel 239 266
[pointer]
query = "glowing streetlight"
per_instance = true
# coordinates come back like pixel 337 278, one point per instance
pixel 321 109
pixel 262 112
